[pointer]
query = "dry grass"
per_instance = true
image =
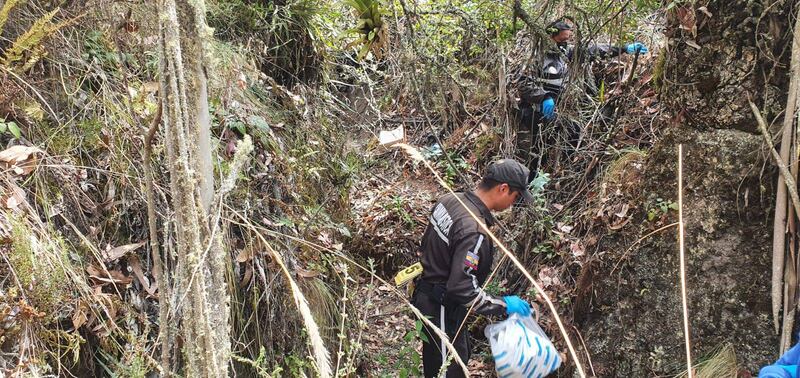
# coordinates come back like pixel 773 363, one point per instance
pixel 721 364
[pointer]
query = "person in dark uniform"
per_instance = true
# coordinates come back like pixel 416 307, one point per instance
pixel 542 84
pixel 457 256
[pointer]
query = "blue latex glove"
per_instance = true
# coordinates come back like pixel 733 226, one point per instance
pixel 631 48
pixel 548 108
pixel 516 305
pixel 778 371
pixel 785 367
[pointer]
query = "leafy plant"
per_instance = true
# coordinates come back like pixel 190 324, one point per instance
pixel 409 358
pixel 98 48
pixel 398 206
pixel 27 48
pixel 10 127
pixel 661 208
pixel 370 27
pixel 452 170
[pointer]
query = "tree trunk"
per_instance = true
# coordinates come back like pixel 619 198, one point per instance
pixel 199 297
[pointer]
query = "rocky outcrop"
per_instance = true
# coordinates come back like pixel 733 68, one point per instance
pixel 635 328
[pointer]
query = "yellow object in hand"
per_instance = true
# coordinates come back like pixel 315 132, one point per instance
pixel 408 274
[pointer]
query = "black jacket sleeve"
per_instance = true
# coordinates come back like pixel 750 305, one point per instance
pixel 462 286
pixel 603 50
pixel 531 92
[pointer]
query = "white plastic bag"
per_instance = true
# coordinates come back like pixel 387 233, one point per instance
pixel 521 349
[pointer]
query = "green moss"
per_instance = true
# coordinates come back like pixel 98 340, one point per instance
pixel 85 135
pixel 658 71
pixel 40 267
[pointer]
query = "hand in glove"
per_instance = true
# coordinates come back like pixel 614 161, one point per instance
pixel 785 367
pixel 778 371
pixel 516 305
pixel 548 108
pixel 636 46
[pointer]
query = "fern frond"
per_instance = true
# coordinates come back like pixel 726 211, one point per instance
pixel 5 11
pixel 30 39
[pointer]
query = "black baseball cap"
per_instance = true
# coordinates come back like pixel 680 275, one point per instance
pixel 557 26
pixel 513 173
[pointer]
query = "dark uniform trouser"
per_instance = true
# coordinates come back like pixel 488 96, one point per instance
pixel 529 151
pixel 528 148
pixel 435 351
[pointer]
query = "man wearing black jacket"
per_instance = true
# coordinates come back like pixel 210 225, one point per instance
pixel 457 257
pixel 542 84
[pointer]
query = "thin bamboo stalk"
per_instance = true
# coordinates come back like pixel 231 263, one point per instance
pixel 681 240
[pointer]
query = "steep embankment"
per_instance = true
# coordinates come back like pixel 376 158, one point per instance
pixel 717 55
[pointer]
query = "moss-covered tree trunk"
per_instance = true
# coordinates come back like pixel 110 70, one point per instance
pixel 718 54
pixel 199 297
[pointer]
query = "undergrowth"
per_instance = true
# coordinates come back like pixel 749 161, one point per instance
pixel 312 101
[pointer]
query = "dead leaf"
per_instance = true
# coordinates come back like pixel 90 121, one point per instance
pixel 325 238
pixel 705 10
pixel 79 318
pixel 693 44
pixel 116 277
pixel 248 275
pixel 622 213
pixel 549 277
pixel 151 86
pixel 306 273
pixel 120 278
pixel 688 19
pixel 20 159
pixel 136 266
pixel 577 249
pixel 116 253
pixel 619 224
pixel 242 81
pixel 245 255
pixel 15 198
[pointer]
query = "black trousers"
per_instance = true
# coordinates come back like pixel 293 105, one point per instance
pixel 434 351
pixel 529 148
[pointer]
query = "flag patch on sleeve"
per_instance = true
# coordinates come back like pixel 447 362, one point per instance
pixel 471 260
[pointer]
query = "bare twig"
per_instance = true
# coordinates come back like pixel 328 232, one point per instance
pixel 158 267
pixel 637 242
pixel 787 175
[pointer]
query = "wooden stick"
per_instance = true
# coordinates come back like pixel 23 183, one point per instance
pixel 779 223
pixel 686 334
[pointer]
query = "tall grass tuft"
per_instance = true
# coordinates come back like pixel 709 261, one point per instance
pixel 721 364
